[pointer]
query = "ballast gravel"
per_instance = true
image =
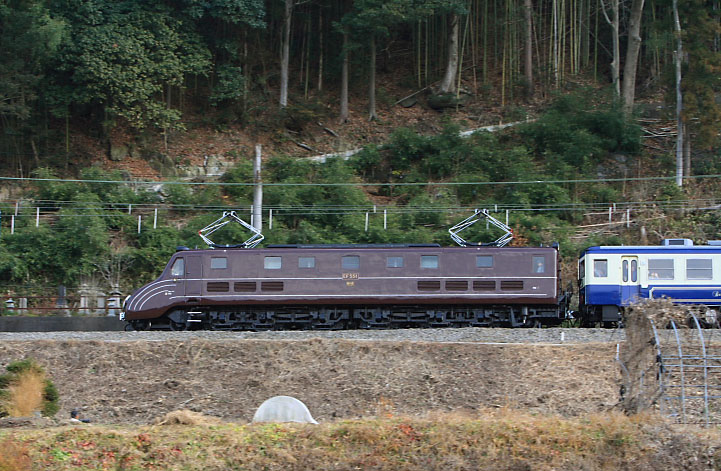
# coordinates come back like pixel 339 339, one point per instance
pixel 462 335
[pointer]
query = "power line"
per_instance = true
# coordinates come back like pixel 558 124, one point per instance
pixel 233 184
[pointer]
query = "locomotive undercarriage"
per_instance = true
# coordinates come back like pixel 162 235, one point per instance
pixel 258 318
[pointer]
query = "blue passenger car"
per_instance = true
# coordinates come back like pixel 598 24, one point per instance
pixel 612 277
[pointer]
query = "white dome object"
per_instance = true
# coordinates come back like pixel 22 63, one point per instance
pixel 283 409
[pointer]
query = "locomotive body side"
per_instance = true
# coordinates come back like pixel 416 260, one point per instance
pixel 357 285
pixel 611 278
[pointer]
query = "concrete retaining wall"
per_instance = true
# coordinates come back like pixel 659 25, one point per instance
pixel 55 324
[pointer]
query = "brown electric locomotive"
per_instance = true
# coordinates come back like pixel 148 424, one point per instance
pixel 351 286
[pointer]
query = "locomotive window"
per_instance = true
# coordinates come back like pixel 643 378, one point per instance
pixel 350 262
pixel 218 262
pixel 394 262
pixel 699 269
pixel 539 264
pixel 306 262
pixel 429 261
pixel 484 261
pixel 178 268
pixel 272 263
pixel 600 268
pixel 660 269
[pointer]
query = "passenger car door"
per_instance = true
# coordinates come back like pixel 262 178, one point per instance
pixel 630 285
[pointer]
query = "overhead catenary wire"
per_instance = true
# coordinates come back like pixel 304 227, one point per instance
pixel 326 184
pixel 120 208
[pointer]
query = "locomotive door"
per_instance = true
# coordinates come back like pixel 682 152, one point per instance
pixel 193 275
pixel 630 288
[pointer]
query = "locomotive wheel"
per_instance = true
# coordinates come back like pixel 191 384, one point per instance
pixel 137 325
pixel 177 326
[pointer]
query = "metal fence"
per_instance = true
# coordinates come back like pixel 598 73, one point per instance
pixel 689 372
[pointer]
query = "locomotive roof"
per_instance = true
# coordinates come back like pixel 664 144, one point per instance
pixel 351 247
pixel 348 246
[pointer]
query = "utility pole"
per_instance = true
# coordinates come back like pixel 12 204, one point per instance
pixel 258 191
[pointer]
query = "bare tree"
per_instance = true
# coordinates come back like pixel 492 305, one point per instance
pixel 678 57
pixel 285 53
pixel 528 64
pixel 630 67
pixel 113 267
pixel 344 82
pixel 448 84
pixel 372 116
pixel 613 22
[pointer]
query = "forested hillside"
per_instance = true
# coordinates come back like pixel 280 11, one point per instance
pixel 99 99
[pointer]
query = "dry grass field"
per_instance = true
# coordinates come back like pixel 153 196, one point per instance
pixel 382 405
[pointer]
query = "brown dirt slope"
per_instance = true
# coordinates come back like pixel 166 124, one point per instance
pixel 135 382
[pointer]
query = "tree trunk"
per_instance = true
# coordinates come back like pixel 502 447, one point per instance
pixel 448 84
pixel 632 50
pixel 285 53
pixel 614 24
pixel 344 82
pixel 679 97
pixel 320 50
pixel 528 63
pixel 686 151
pixel 372 116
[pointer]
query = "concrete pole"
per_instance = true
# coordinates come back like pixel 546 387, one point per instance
pixel 258 192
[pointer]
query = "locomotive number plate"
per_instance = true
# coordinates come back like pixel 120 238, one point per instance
pixel 350 276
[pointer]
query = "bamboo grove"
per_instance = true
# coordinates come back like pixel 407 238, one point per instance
pixel 148 66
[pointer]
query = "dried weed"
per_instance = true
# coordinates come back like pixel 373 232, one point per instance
pixel 25 394
pixel 14 456
pixel 187 417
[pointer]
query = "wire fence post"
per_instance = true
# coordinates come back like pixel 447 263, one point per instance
pixel 130 209
pixel 140 218
pixel 12 224
pixel 270 218
pixel 37 216
pixel 17 207
pixel 628 218
pixel 155 218
pixel 385 219
pixel 366 222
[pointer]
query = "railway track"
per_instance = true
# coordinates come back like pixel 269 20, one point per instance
pixel 467 334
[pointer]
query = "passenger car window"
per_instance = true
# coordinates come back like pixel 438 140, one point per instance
pixel 350 262
pixel 484 261
pixel 178 268
pixel 624 270
pixel 394 262
pixel 539 264
pixel 634 270
pixel 429 261
pixel 306 262
pixel 218 262
pixel 600 268
pixel 699 269
pixel 660 269
pixel 272 263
